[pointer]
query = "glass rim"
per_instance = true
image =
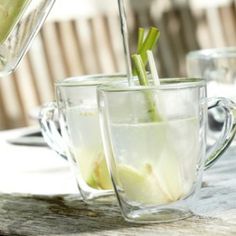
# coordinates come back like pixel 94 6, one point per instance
pixel 210 53
pixel 89 80
pixel 166 84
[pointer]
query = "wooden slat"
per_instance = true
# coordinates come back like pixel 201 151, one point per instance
pixel 69 48
pixel 87 46
pixel 215 27
pixel 113 28
pixel 177 40
pixel 79 47
pixel 188 25
pixel 202 31
pixel 170 42
pixel 110 39
pixel 38 67
pixel 53 53
pixel 4 121
pixel 11 111
pixel 32 74
pixel 23 113
pixel 228 19
pixel 102 45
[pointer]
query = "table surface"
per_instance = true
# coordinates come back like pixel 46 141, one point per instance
pixel 39 197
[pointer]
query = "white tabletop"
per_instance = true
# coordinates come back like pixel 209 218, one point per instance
pixel 31 169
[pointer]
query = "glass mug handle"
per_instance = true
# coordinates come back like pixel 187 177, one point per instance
pixel 228 130
pixel 47 120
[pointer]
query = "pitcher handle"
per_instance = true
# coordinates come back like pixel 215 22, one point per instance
pixel 228 130
pixel 49 129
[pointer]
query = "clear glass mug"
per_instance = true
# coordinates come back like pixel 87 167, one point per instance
pixel 20 20
pixel 80 139
pixel 155 145
pixel 217 66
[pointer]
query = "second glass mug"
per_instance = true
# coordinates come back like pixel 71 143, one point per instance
pixel 80 139
pixel 20 20
pixel 217 66
pixel 155 145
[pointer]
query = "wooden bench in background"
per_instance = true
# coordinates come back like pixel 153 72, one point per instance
pixel 92 44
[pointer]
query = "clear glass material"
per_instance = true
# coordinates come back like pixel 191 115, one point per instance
pixel 155 145
pixel 218 67
pixel 81 138
pixel 20 20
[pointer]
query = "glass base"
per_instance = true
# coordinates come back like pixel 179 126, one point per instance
pixel 100 199
pixel 157 216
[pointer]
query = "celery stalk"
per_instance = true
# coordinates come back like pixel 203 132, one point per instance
pixel 140 38
pixel 140 60
pixel 143 80
pixel 140 69
pixel 149 43
pixel 145 44
pixel 10 11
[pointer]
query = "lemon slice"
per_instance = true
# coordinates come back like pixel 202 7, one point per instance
pixel 100 174
pixel 170 176
pixel 93 168
pixel 141 186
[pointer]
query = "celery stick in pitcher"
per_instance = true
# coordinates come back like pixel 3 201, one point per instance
pixel 10 11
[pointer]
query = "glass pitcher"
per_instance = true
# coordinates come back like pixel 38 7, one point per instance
pixel 20 20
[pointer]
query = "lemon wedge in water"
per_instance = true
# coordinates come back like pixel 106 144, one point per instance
pixel 170 176
pixel 94 169
pixel 100 174
pixel 141 186
pixel 99 177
